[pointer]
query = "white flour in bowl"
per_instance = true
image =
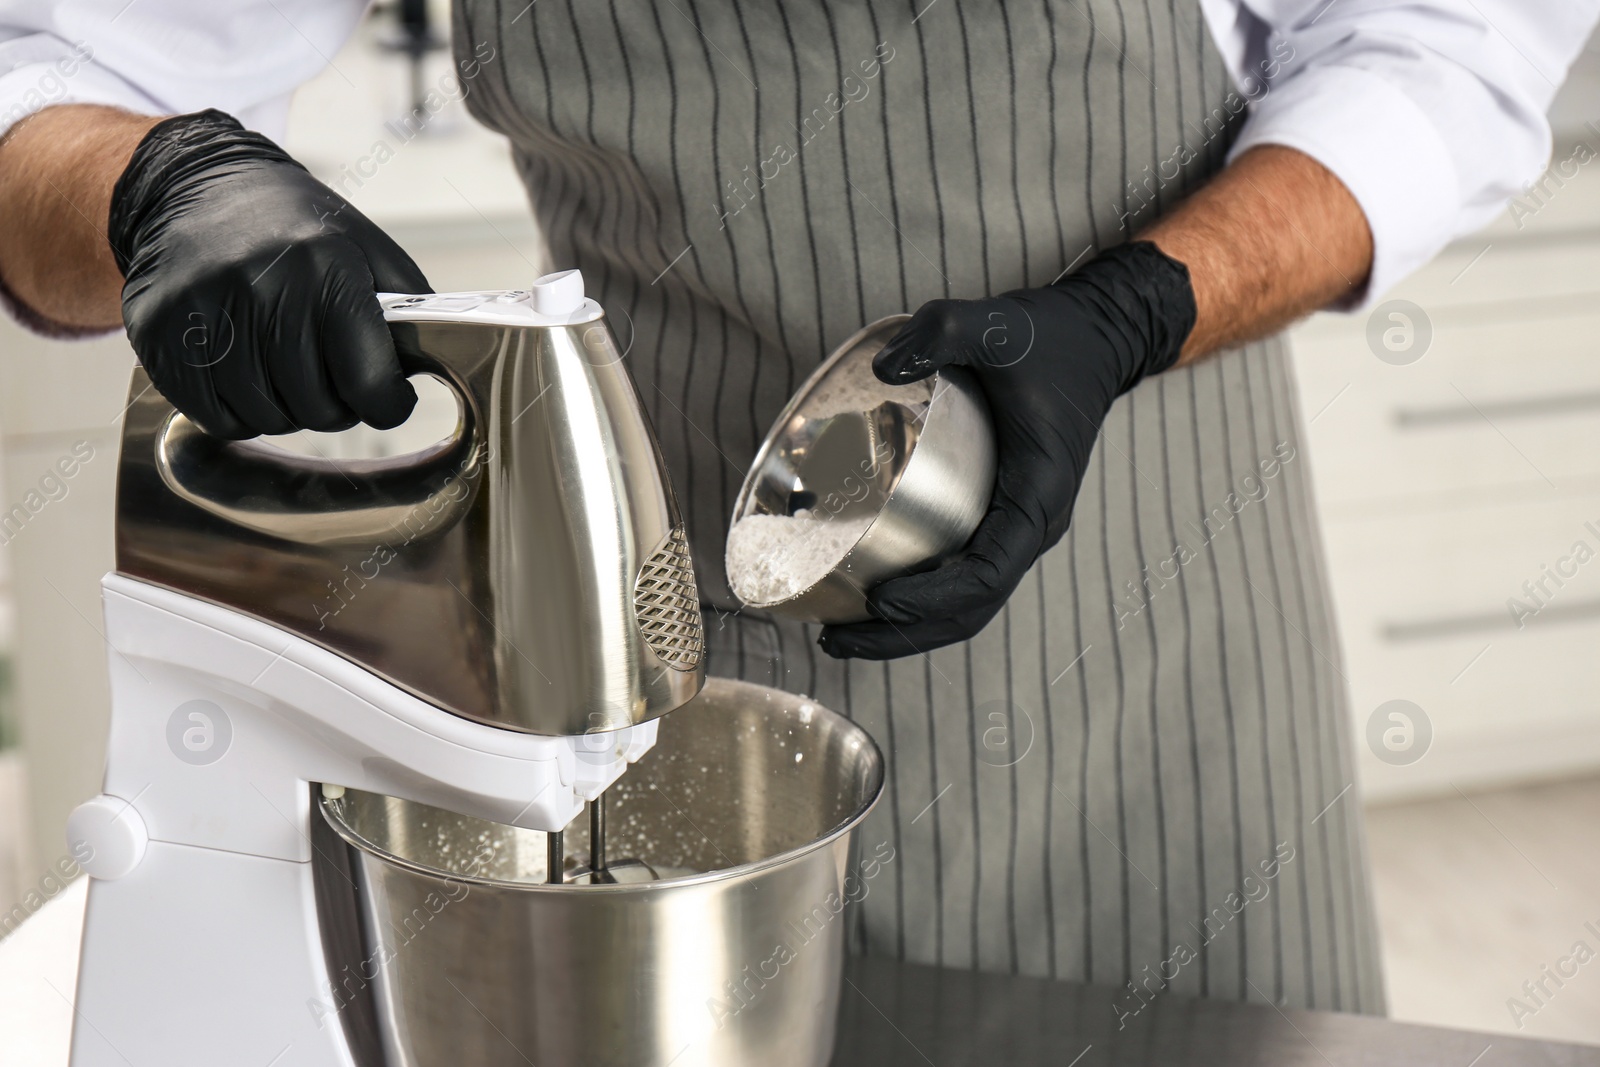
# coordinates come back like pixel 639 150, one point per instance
pixel 774 557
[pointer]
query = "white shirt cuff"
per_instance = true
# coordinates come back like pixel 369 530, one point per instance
pixel 1382 146
pixel 44 71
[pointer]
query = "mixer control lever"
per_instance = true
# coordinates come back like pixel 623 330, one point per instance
pixel 107 837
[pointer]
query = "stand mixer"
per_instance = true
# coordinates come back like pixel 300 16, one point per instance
pixel 490 626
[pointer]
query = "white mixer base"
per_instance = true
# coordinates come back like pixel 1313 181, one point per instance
pixel 200 958
pixel 201 944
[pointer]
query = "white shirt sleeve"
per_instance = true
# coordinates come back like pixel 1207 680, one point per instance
pixel 167 56
pixel 1431 112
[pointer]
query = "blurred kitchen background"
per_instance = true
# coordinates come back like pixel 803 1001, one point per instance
pixel 1455 444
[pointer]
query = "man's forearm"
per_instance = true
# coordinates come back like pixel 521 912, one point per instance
pixel 57 170
pixel 1271 238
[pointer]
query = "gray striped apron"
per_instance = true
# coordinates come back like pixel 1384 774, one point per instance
pixel 1136 775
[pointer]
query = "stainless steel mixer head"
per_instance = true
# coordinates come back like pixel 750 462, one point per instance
pixel 530 571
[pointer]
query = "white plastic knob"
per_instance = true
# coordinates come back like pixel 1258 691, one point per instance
pixel 560 293
pixel 107 836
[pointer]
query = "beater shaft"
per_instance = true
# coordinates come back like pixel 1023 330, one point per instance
pixel 555 858
pixel 597 840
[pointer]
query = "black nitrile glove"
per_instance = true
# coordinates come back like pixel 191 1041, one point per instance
pixel 250 285
pixel 1051 361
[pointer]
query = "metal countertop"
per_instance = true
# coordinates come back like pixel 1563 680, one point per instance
pixel 904 1015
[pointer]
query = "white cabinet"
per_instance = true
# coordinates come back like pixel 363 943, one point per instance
pixel 1452 485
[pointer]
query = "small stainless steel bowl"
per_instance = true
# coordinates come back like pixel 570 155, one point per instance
pixel 895 477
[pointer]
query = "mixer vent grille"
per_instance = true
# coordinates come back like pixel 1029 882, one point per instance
pixel 667 602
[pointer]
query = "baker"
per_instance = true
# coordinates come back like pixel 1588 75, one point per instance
pixel 1117 734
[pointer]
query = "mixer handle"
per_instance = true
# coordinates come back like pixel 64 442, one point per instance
pixel 317 500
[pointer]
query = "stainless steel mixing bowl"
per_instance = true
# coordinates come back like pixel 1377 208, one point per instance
pixel 910 466
pixel 745 809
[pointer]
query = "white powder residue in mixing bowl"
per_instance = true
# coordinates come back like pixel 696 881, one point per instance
pixel 774 557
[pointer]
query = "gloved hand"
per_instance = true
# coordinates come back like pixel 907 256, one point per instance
pixel 1050 361
pixel 249 293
